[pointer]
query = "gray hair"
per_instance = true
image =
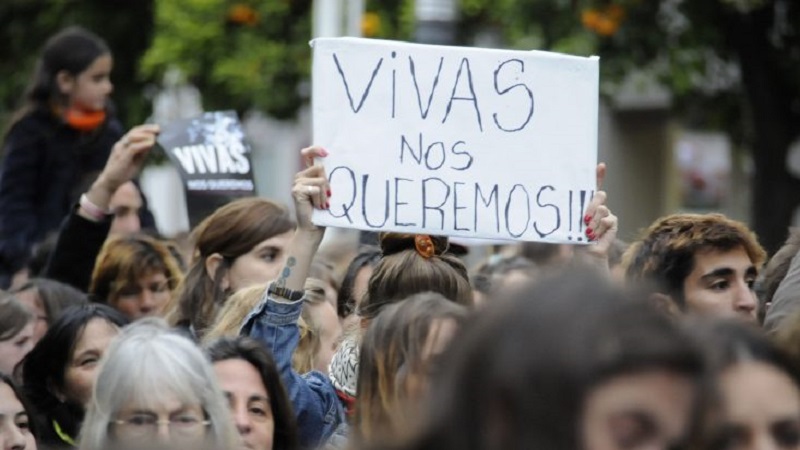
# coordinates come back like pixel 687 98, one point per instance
pixel 145 364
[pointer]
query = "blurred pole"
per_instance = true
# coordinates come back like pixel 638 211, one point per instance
pixel 327 20
pixel 355 14
pixel 436 21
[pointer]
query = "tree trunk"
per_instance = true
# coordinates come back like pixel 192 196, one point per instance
pixel 776 193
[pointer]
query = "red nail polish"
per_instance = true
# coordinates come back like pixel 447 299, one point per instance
pixel 589 232
pixel 329 192
pixel 586 219
pixel 327 205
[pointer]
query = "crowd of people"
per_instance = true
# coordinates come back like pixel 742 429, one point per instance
pixel 259 338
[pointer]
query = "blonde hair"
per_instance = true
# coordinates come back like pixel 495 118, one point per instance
pixel 305 354
pixel 231 316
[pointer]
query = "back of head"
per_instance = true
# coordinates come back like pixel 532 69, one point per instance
pixel 727 343
pixel 231 231
pixel 254 353
pixel 56 297
pixel 411 264
pixel 124 260
pixel 531 361
pixel 665 252
pixel 146 367
pixel 392 351
pixel 14 316
pixel 231 316
pixel 72 50
pixel 346 301
pixel 776 269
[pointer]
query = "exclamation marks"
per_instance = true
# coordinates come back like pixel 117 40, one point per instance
pixel 579 229
pixel 580 215
pixel 569 236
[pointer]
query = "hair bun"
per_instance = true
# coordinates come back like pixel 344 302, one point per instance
pixel 392 243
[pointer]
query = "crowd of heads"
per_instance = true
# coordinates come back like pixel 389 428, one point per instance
pixel 400 341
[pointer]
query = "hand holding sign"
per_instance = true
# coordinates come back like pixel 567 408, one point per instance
pixel 467 142
pixel 601 224
pixel 311 189
pixel 128 155
pixel 125 162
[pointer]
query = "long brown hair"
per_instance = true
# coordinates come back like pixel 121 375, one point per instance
pixel 392 349
pixel 404 271
pixel 231 231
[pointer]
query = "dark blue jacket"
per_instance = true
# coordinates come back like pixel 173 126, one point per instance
pixel 46 165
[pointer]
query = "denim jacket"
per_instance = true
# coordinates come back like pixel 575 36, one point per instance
pixel 318 410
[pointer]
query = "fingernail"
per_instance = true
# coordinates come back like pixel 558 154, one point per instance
pixel 589 232
pixel 586 219
pixel 329 192
pixel 327 205
pixel 323 152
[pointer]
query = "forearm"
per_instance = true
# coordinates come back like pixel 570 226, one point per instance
pixel 301 251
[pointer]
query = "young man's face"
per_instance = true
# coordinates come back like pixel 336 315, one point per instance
pixel 721 284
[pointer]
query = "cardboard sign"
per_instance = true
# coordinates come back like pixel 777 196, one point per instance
pixel 470 142
pixel 213 159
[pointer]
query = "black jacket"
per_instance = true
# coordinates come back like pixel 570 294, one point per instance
pixel 46 165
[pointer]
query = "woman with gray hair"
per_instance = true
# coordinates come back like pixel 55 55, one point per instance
pixel 156 389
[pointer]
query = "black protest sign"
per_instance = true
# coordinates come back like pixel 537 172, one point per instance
pixel 213 159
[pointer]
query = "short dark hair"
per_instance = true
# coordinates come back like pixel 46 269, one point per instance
pixel 665 252
pixel 255 354
pixel 45 365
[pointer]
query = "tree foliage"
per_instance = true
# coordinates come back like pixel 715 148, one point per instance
pixel 242 55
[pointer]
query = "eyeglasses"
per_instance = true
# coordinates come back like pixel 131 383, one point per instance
pixel 146 425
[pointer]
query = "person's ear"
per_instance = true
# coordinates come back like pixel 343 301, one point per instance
pixel 65 82
pixel 215 262
pixel 666 304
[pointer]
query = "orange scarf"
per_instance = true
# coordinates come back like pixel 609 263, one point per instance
pixel 85 121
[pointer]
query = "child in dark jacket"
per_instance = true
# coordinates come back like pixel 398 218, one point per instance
pixel 56 144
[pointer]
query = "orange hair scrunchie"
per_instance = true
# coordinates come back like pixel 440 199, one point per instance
pixel 424 245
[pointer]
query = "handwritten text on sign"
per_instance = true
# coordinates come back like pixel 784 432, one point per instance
pixel 456 141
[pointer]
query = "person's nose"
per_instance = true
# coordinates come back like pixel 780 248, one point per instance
pixel 147 301
pixel 243 422
pixel 12 438
pixel 745 301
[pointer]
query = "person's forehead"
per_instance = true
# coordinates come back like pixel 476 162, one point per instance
pixel 735 259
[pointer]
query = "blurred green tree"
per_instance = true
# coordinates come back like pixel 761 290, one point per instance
pixel 240 54
pixel 732 65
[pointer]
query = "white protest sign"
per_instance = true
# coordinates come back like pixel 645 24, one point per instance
pixel 471 142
